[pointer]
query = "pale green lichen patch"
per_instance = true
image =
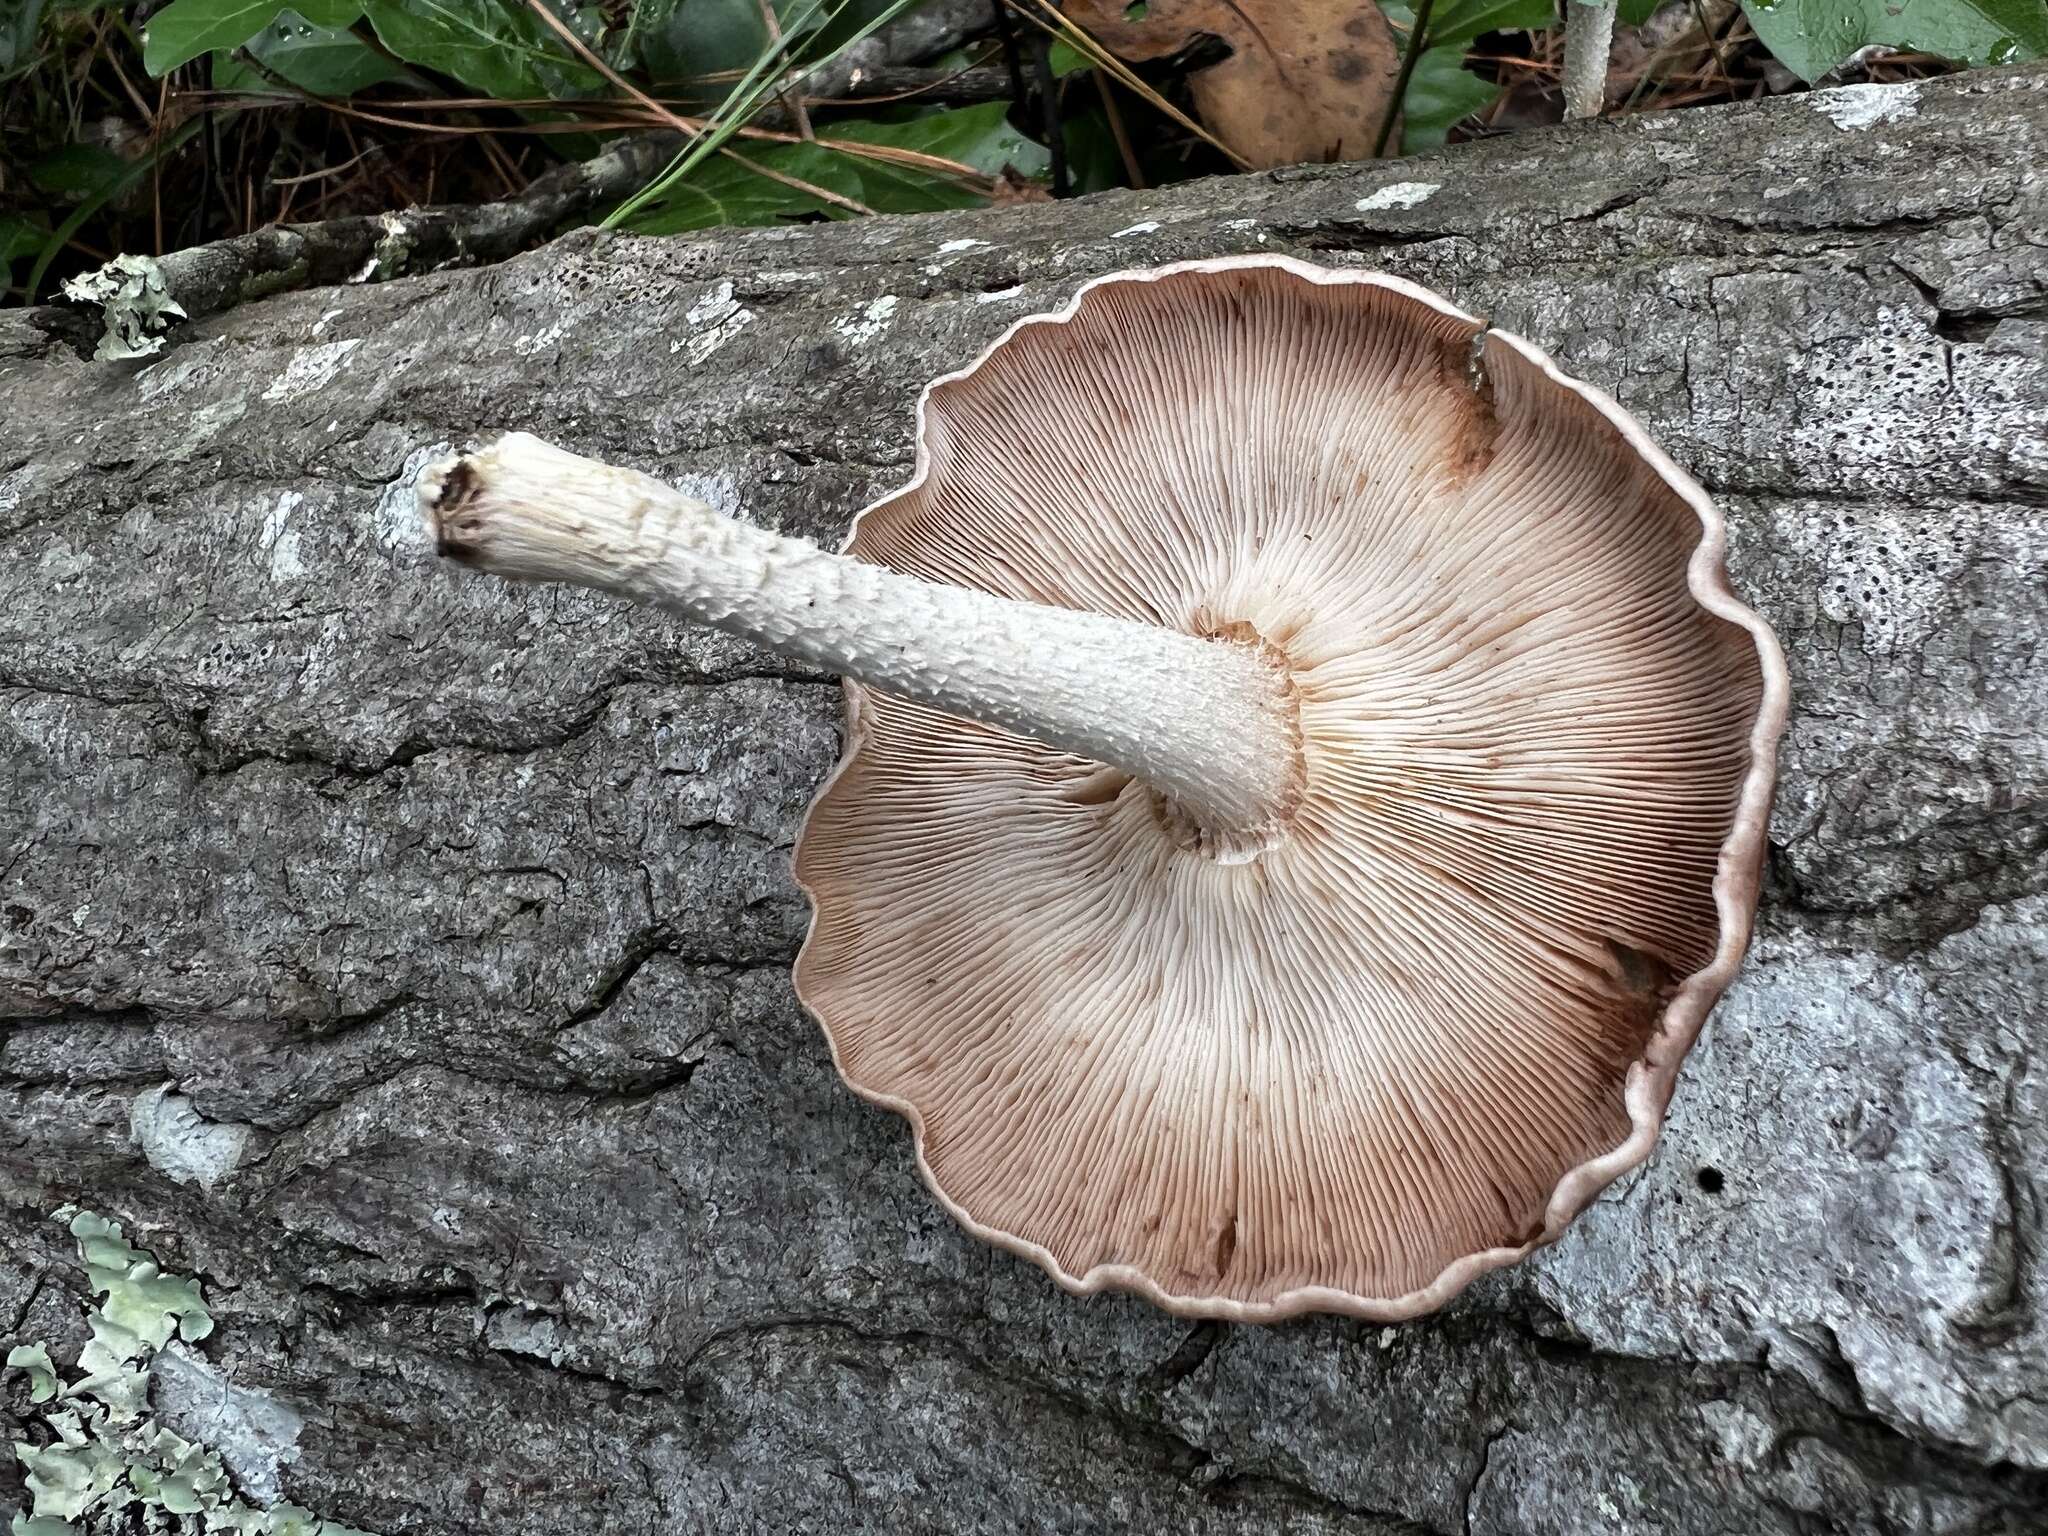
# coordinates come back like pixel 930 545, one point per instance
pixel 42 1375
pixel 99 1464
pixel 136 304
pixel 143 1305
pixel 392 253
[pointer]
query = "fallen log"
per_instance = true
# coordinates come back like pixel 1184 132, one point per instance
pixel 480 1105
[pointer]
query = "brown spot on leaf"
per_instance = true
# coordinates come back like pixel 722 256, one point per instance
pixel 1280 98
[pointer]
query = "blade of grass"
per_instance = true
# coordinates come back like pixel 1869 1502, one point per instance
pixel 740 104
pixel 577 45
pixel 746 99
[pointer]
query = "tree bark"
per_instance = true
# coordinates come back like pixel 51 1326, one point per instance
pixel 552 1214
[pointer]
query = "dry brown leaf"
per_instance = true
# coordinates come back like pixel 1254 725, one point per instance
pixel 1013 188
pixel 1305 80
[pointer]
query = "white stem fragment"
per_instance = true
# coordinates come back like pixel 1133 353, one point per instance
pixel 1588 41
pixel 1208 722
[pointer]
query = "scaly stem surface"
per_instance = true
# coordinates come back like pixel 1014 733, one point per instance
pixel 1207 722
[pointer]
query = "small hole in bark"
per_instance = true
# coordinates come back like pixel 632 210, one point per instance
pixel 1710 1180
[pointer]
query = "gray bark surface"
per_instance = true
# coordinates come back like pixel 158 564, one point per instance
pixel 472 905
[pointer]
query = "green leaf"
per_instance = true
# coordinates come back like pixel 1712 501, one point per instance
pixel 18 22
pixel 1065 59
pixel 1441 93
pixel 1811 37
pixel 325 61
pixel 753 85
pixel 980 136
pixel 1635 12
pixel 682 39
pixel 19 236
pixel 721 191
pixel 1094 163
pixel 1460 21
pixel 495 46
pixel 20 239
pixel 185 29
pixel 78 171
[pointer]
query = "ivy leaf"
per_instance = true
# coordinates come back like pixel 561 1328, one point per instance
pixel 1065 59
pixel 185 29
pixel 19 237
pixel 1441 94
pixel 1460 21
pixel 684 39
pixel 18 22
pixel 78 171
pixel 1811 37
pixel 980 136
pixel 324 61
pixel 501 49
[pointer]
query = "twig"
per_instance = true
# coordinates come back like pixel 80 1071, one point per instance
pixel 326 171
pixel 812 189
pixel 207 279
pixel 1588 42
pixel 156 173
pixel 1048 85
pixel 113 59
pixel 1013 57
pixel 1699 12
pixel 1132 171
pixel 895 82
pixel 792 102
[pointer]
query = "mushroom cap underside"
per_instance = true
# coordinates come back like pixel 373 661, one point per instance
pixel 1420 1032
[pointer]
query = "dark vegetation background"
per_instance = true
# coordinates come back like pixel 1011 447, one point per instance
pixel 156 127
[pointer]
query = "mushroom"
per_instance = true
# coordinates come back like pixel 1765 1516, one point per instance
pixel 1305 781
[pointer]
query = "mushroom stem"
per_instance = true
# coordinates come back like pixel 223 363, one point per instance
pixel 1207 722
